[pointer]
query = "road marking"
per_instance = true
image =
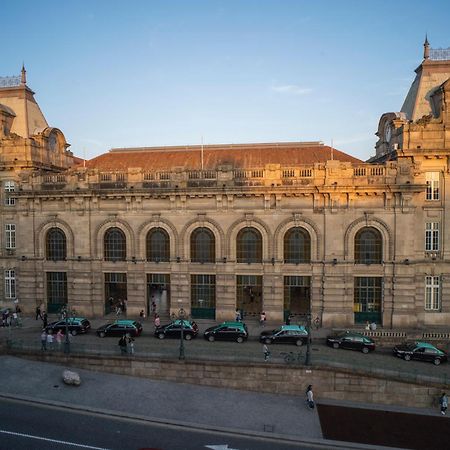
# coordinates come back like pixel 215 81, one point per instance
pixel 220 447
pixel 39 438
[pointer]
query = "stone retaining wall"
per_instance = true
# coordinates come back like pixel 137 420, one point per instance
pixel 328 383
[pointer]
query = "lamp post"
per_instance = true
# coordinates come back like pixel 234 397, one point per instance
pixel 67 339
pixel 181 316
pixel 308 342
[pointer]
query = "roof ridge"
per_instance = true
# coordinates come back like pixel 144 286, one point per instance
pixel 196 147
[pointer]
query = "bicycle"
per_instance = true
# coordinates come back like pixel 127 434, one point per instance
pixel 291 357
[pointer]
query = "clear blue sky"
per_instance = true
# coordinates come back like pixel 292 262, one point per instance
pixel 147 73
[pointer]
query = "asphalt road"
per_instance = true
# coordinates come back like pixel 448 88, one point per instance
pixel 25 426
pixel 147 344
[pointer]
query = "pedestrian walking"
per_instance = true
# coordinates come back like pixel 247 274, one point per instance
pixel 45 319
pixel 238 315
pixel 317 323
pixel 288 319
pixel 262 318
pixel 157 320
pixel 266 352
pixel 118 310
pixel 44 340
pixel 443 402
pixel 38 313
pixel 142 314
pixel 310 397
pixel 50 340
pixel 15 317
pixel 123 344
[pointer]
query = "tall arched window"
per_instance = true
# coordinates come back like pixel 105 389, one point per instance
pixel 368 246
pixel 297 246
pixel 203 245
pixel 115 245
pixel 158 245
pixel 249 246
pixel 56 248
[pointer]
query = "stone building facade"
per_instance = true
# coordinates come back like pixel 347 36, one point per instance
pixel 288 228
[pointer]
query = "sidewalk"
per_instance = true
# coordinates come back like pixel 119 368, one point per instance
pixel 161 400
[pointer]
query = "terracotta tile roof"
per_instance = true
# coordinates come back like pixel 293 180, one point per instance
pixel 236 155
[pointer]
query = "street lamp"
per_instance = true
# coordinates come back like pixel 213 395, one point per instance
pixel 67 339
pixel 308 342
pixel 181 316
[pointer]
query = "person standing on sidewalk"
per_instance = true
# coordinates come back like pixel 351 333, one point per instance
pixel 44 340
pixel 123 344
pixel 130 342
pixel 262 319
pixel 44 319
pixel 310 397
pixel 443 402
pixel 38 313
pixel 157 321
pixel 50 340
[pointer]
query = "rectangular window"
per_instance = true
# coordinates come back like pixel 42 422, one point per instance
pixel 56 290
pixel 10 241
pixel 10 187
pixel 432 293
pixel 367 296
pixel 432 180
pixel 203 291
pixel 432 237
pixel 10 283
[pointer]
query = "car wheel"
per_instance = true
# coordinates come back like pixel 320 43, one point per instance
pixel 267 341
pixel 335 344
pixel 102 334
pixel 407 357
pixel 161 336
pixel 73 332
pixel 365 350
pixel 437 361
pixel 298 342
pixel 240 339
pixel 211 338
pixel 188 337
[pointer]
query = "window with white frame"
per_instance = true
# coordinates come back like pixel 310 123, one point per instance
pixel 432 179
pixel 432 293
pixel 432 237
pixel 10 283
pixel 10 241
pixel 10 187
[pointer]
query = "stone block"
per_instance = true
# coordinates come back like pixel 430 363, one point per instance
pixel 71 378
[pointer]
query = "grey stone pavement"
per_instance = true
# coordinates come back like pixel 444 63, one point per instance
pixel 162 401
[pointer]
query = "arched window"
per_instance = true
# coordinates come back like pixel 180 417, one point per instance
pixel 158 245
pixel 297 246
pixel 249 246
pixel 56 249
pixel 115 245
pixel 368 246
pixel 203 245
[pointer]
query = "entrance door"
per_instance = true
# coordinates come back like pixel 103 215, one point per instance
pixel 297 297
pixel 249 295
pixel 115 290
pixel 203 296
pixel 158 293
pixel 367 299
pixel 56 291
